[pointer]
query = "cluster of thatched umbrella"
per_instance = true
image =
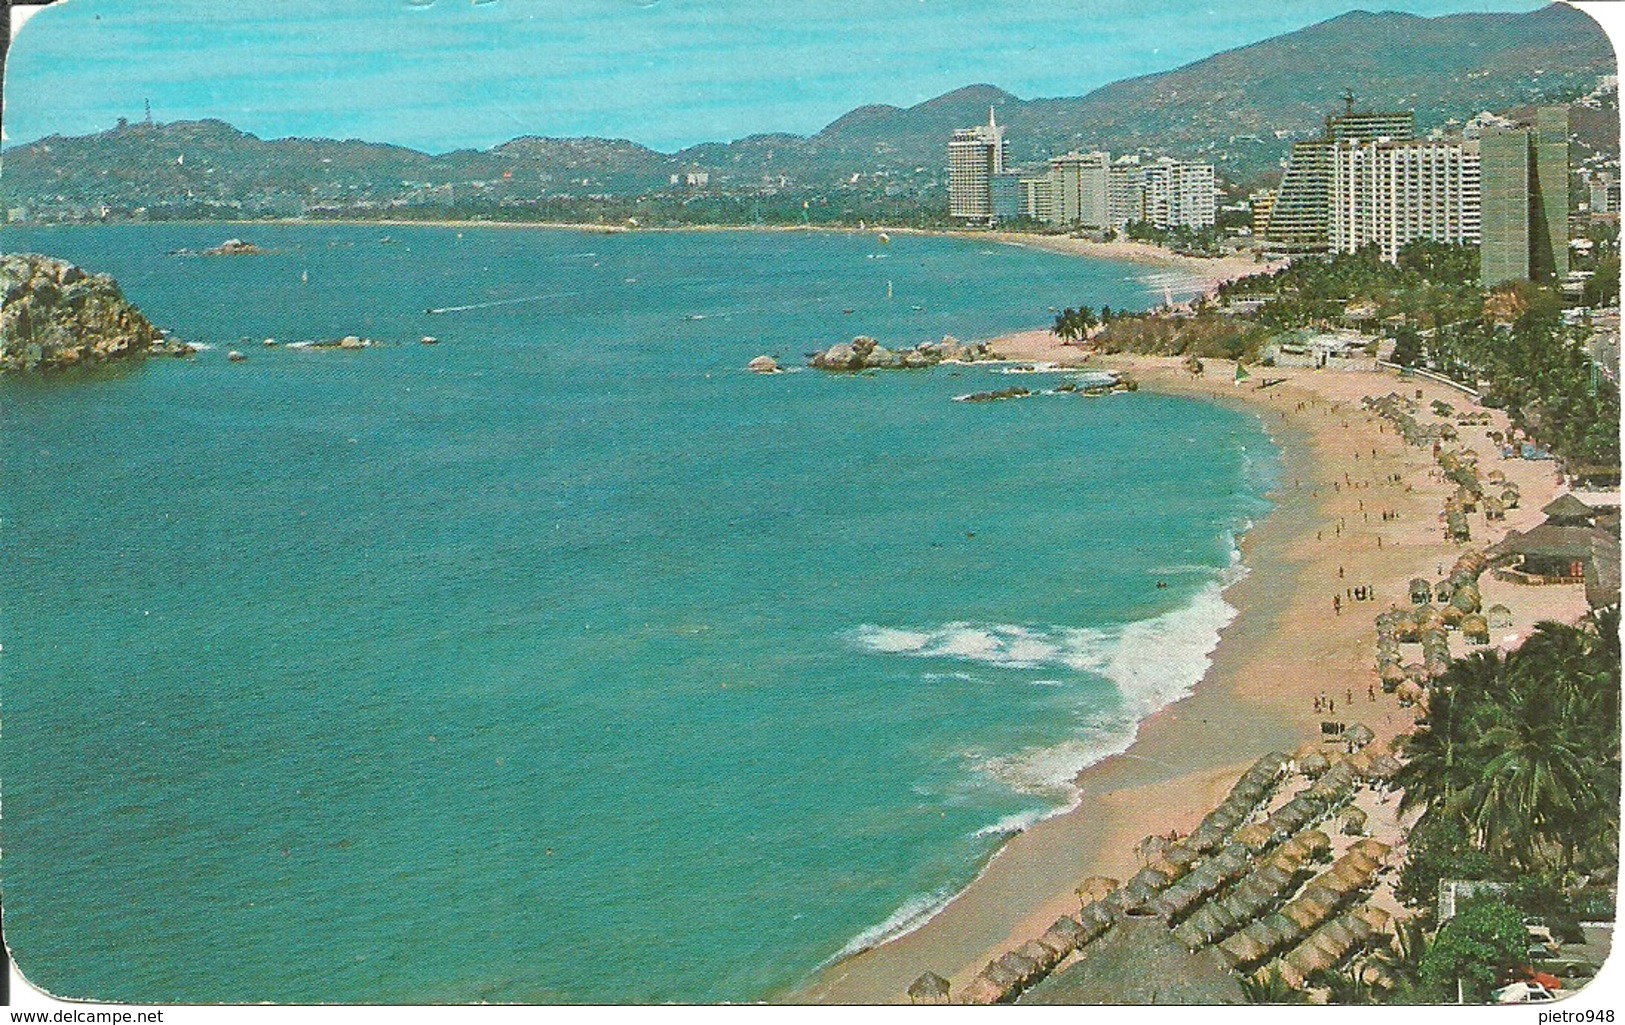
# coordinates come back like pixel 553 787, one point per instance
pixel 1402 413
pixel 1270 881
pixel 1179 867
pixel 1423 622
pixel 1187 872
pixel 1332 943
pixel 1310 909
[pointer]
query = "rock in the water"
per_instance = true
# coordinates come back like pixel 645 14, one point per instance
pixel 234 247
pixel 235 356
pixel 351 342
pixel 838 357
pixel 763 365
pixel 55 314
pixel 429 340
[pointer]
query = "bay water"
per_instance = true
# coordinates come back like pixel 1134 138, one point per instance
pixel 564 660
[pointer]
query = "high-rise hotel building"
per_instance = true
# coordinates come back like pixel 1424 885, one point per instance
pixel 1300 221
pixel 1526 199
pixel 975 156
pixel 1387 192
pixel 1091 191
pixel 1369 181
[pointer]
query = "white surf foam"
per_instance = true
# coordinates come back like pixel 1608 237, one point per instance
pixel 914 913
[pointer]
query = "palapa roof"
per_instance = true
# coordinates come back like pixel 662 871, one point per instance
pixel 1371 847
pixel 929 986
pixel 1039 954
pixel 1140 962
pixel 1567 507
pixel 1549 541
pixel 1255 837
pixel 1359 734
pixel 1242 949
pixel 1096 888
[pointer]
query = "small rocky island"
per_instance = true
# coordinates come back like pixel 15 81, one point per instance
pixel 864 353
pixel 56 315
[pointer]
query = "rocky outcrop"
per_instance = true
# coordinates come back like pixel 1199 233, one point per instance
pixel 234 247
pixel 54 315
pixel 763 365
pixel 864 353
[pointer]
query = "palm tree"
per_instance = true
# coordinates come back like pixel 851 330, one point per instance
pixel 1269 988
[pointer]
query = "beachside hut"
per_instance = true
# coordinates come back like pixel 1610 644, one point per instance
pixel 1384 767
pixel 1499 616
pixel 1476 629
pixel 1494 508
pixel 1567 511
pixel 929 988
pixel 1442 592
pixel 1421 591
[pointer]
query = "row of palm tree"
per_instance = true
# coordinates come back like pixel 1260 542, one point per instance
pixel 1073 325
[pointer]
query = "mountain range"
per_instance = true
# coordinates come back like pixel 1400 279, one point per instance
pixel 1238 109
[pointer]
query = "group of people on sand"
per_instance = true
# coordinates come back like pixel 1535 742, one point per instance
pixel 1364 592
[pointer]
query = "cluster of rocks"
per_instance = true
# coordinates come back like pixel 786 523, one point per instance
pixel 864 353
pixel 54 315
pixel 995 396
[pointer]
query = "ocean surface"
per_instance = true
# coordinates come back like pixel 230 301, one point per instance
pixel 564 660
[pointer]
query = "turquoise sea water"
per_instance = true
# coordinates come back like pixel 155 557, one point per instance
pixel 564 660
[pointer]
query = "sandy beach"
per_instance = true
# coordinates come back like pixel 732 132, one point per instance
pixel 1288 646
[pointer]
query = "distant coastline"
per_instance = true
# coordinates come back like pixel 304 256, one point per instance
pixel 1203 274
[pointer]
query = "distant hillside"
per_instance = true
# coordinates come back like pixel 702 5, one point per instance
pixel 1239 109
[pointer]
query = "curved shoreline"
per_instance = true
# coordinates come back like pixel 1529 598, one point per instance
pixel 1283 649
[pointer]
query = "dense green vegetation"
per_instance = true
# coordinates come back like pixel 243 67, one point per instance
pixel 1179 238
pixel 1516 768
pixel 1474 952
pixel 1521 753
pixel 1511 343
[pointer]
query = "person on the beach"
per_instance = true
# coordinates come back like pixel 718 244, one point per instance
pixel 1337 605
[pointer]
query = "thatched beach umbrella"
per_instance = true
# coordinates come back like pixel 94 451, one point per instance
pixel 1039 954
pixel 1499 616
pixel 1392 675
pixel 1353 820
pixel 1255 837
pixel 1476 629
pixel 1315 765
pixel 1421 591
pixel 1095 888
pixel 1373 848
pixel 1024 968
pixel 1358 735
pixel 929 988
pixel 1063 937
pixel 1241 949
pixel 1409 692
pixel 1442 591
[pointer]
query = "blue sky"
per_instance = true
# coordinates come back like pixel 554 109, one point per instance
pixel 442 74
